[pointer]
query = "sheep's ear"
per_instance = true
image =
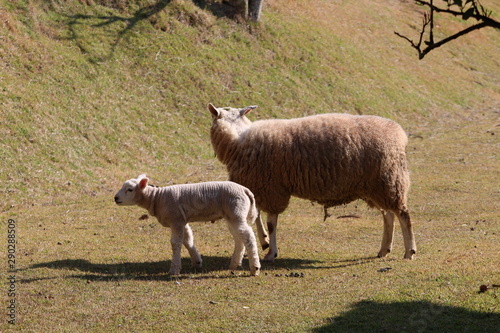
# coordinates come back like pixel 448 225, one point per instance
pixel 143 181
pixel 213 110
pixel 244 111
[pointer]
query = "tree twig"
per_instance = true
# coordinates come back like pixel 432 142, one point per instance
pixel 475 11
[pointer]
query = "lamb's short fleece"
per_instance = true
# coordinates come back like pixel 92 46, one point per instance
pixel 174 206
pixel 331 159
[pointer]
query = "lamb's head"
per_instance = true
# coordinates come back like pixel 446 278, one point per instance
pixel 231 118
pixel 131 191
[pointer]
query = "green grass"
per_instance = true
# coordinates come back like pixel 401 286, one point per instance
pixel 92 95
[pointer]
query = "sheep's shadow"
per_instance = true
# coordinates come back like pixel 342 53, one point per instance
pixel 158 270
pixel 299 264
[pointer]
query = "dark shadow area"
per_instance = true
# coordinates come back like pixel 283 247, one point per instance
pixel 158 270
pixel 218 9
pixel 418 316
pixel 298 264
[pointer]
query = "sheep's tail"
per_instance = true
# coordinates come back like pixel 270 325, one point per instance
pixel 253 213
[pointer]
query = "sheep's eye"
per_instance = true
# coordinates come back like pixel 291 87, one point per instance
pixel 129 190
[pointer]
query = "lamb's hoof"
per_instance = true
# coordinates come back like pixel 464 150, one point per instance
pixel 255 271
pixel 265 246
pixel 174 272
pixel 233 267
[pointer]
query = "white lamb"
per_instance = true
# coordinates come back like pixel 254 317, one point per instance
pixel 331 159
pixel 174 206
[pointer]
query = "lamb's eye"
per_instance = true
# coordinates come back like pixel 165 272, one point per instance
pixel 129 190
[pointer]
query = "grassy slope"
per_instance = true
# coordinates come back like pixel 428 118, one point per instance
pixel 93 95
pixel 88 91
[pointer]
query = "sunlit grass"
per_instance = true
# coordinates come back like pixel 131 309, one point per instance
pixel 88 102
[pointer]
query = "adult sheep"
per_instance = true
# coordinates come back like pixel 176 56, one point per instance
pixel 331 159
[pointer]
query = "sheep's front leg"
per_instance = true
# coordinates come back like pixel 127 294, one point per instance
pixel 189 244
pixel 176 241
pixel 261 232
pixel 388 235
pixel 272 224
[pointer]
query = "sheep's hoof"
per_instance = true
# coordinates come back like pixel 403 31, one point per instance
pixel 383 253
pixel 197 264
pixel 174 272
pixel 410 254
pixel 265 246
pixel 270 257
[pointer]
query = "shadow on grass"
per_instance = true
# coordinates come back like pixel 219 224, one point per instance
pixel 417 316
pixel 155 270
pixel 158 270
pixel 291 263
pixel 75 21
pixel 218 9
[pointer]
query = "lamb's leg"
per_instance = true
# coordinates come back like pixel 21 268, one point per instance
pixel 388 233
pixel 189 244
pixel 239 246
pixel 176 242
pixel 409 238
pixel 248 237
pixel 272 224
pixel 261 232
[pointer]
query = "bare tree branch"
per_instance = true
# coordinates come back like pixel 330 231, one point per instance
pixel 470 9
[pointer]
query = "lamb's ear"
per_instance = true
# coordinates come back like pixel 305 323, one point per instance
pixel 244 111
pixel 213 110
pixel 143 181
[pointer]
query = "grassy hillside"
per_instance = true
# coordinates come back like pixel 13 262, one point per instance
pixel 93 92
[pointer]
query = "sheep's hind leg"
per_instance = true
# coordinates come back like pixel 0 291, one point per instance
pixel 388 235
pixel 272 224
pixel 176 242
pixel 261 232
pixel 408 236
pixel 188 241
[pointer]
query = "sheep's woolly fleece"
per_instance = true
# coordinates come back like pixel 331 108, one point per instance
pixel 331 159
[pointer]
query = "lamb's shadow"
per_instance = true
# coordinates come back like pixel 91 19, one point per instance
pixel 153 270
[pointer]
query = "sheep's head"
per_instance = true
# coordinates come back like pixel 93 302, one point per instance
pixel 131 190
pixel 231 118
